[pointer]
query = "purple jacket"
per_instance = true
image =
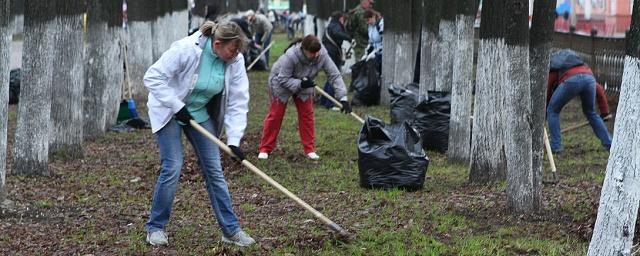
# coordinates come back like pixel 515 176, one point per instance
pixel 293 65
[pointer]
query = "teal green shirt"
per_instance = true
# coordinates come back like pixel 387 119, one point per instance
pixel 210 82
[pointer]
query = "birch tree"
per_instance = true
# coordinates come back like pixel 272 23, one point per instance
pixel 620 195
pixel 103 85
pixel 488 162
pixel 522 192
pixel 31 146
pixel 539 52
pixel 430 28
pixel 6 32
pixel 462 83
pixel 68 80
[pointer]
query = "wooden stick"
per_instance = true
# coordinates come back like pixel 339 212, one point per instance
pixel 126 64
pixel 332 99
pixel 259 56
pixel 547 146
pixel 332 225
pixel 580 125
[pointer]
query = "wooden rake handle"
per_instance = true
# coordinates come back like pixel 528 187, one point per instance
pixel 259 56
pixel 547 146
pixel 583 124
pixel 332 225
pixel 332 99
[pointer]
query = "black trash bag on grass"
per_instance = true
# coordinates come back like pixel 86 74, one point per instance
pixel 14 85
pixel 365 83
pixel 403 101
pixel 432 121
pixel 391 156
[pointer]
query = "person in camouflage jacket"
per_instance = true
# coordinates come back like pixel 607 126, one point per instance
pixel 357 26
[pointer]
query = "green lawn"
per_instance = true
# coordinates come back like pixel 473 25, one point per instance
pixel 99 204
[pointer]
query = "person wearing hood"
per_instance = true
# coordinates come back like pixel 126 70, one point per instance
pixel 569 77
pixel 200 78
pixel 292 76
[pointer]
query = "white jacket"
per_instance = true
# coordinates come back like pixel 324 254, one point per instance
pixel 171 79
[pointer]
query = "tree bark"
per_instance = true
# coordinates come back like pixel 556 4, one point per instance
pixel 404 51
pixel 6 31
pixel 488 162
pixel 539 53
pixel 103 86
pixel 140 50
pixel 615 225
pixel 68 81
pixel 388 51
pixel 522 196
pixel 461 98
pixel 430 30
pixel 444 52
pixel 31 147
pixel 295 5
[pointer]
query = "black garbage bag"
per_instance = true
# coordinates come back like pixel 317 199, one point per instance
pixel 14 85
pixel 253 53
pixel 403 101
pixel 432 120
pixel 391 156
pixel 365 83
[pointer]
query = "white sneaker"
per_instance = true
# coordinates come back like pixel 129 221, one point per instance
pixel 335 109
pixel 263 155
pixel 240 239
pixel 313 156
pixel 157 238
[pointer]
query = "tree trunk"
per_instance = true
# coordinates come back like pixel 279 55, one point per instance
pixel 232 6
pixel 295 5
pixel 404 52
pixel 179 21
pixel 17 16
pixel 539 52
pixel 6 31
pixel 31 146
pixel 618 210
pixel 444 52
pixel 68 81
pixel 430 30
pixel 140 49
pixel 522 196
pixel 103 86
pixel 460 124
pixel 388 51
pixel 488 162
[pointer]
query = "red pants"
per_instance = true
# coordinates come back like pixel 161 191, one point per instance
pixel 273 122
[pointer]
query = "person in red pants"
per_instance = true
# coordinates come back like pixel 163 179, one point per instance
pixel 292 76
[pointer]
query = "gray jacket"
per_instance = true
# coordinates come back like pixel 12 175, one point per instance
pixel 288 71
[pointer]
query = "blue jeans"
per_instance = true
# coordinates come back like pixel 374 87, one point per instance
pixel 266 40
pixel 169 140
pixel 583 85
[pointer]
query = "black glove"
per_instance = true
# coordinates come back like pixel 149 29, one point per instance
pixel 238 152
pixel 603 116
pixel 307 83
pixel 183 115
pixel 346 107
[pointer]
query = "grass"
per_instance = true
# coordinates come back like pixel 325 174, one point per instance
pixel 104 207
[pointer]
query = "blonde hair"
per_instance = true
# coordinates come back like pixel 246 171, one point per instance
pixel 224 32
